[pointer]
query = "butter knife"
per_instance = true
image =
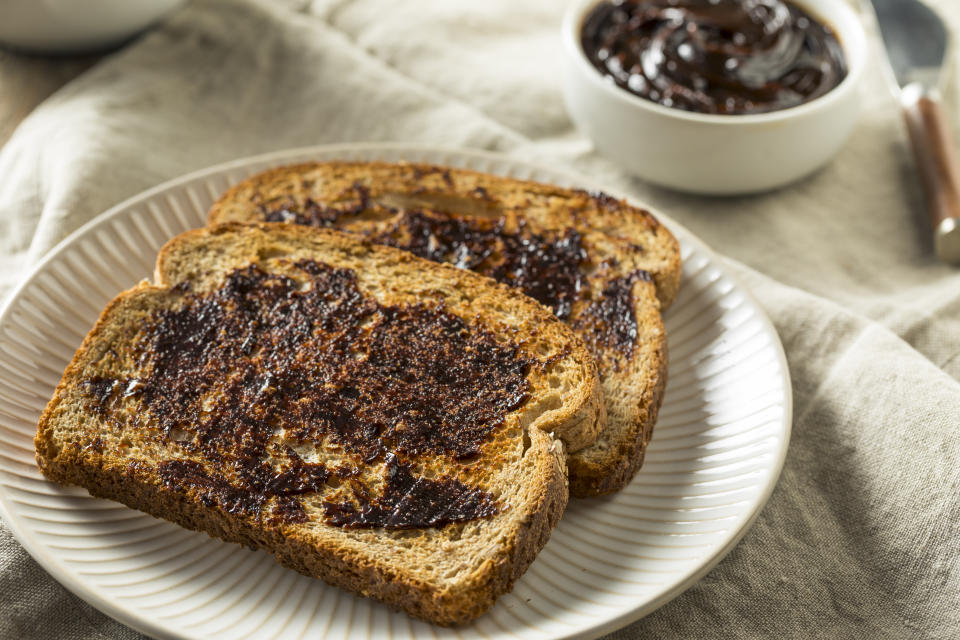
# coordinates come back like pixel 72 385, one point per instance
pixel 916 43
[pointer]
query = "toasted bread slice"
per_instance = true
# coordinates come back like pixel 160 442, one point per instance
pixel 605 267
pixel 373 419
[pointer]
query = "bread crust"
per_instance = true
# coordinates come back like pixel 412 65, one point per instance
pixel 633 394
pixel 590 476
pixel 83 454
pixel 341 567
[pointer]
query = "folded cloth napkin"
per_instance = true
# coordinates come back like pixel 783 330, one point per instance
pixel 861 538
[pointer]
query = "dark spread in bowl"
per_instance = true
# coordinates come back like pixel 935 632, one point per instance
pixel 714 56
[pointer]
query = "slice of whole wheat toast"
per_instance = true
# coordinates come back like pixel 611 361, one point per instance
pixel 373 419
pixel 605 267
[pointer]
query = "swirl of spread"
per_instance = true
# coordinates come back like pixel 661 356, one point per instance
pixel 714 56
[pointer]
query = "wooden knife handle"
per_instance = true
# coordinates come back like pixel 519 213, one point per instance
pixel 933 148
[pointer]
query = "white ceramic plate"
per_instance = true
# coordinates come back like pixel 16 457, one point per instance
pixel 714 459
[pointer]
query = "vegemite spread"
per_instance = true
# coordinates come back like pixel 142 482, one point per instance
pixel 409 501
pixel 548 266
pixel 609 323
pixel 714 56
pixel 239 378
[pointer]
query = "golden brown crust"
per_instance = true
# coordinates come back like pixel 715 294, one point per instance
pixel 632 393
pixel 364 576
pixel 589 478
pixel 598 470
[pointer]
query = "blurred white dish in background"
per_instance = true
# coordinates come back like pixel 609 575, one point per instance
pixel 72 26
pixel 706 153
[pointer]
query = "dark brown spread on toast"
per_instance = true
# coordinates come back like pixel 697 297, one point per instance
pixel 609 322
pixel 409 501
pixel 244 377
pixel 548 266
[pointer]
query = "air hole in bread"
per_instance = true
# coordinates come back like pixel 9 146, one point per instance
pixel 589 268
pixel 208 404
pixel 271 251
pixel 372 214
pixel 453 571
pixel 454 532
pixel 180 435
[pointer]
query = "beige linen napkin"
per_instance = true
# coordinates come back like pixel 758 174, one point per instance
pixel 861 538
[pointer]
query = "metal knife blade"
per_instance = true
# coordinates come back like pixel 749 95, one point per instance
pixel 917 42
pixel 915 39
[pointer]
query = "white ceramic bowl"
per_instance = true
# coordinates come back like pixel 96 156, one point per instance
pixel 714 154
pixel 72 26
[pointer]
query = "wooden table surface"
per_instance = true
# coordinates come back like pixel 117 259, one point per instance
pixel 26 80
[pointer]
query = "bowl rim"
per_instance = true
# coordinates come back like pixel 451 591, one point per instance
pixel 849 29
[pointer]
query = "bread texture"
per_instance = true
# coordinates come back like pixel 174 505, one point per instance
pixel 390 425
pixel 606 268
